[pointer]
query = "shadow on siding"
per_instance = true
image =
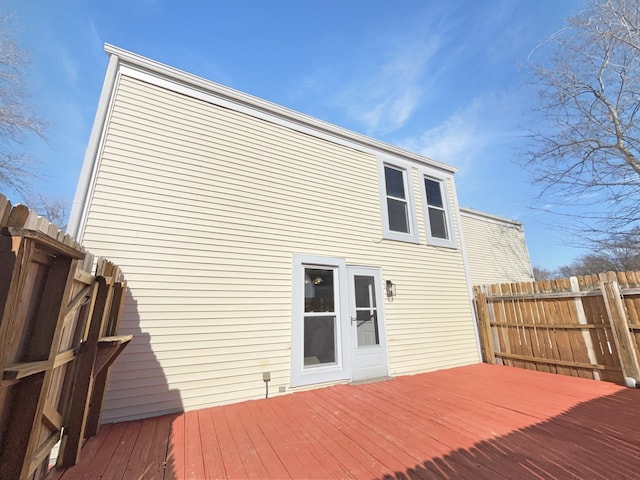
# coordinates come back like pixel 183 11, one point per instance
pixel 138 387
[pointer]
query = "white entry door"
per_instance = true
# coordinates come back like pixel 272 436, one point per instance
pixel 368 338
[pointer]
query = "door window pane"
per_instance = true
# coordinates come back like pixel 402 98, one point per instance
pixel 319 340
pixel 365 291
pixel 367 328
pixel 366 311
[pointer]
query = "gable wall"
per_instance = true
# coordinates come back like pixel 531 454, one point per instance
pixel 203 208
pixel 496 249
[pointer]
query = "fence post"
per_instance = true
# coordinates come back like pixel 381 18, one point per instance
pixel 582 319
pixel 484 327
pixel 83 381
pixel 618 318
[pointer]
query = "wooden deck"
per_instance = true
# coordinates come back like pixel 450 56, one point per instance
pixel 476 422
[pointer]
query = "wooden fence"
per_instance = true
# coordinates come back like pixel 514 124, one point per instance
pixel 58 327
pixel 580 326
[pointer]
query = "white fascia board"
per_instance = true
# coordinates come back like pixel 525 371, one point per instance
pixel 267 110
pixel 471 213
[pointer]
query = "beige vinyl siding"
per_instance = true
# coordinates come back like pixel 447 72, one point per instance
pixel 203 208
pixel 496 249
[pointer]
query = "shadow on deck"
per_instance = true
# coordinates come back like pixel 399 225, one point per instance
pixel 475 422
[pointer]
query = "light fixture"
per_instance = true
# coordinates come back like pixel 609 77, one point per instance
pixel 317 280
pixel 391 289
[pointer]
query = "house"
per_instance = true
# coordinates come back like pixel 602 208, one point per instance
pixel 265 251
pixel 496 248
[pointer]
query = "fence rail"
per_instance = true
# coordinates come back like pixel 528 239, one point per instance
pixel 585 326
pixel 58 337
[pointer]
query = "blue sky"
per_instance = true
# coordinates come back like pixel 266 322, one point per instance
pixel 444 78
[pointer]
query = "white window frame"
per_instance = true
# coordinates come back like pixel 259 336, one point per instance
pixel 341 369
pixel 445 190
pixel 413 236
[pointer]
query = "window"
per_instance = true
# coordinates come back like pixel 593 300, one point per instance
pixel 397 206
pixel 396 202
pixel 319 330
pixel 320 317
pixel 437 212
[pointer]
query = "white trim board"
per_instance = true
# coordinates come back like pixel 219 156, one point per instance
pixel 471 213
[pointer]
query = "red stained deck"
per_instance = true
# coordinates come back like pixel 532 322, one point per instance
pixel 475 422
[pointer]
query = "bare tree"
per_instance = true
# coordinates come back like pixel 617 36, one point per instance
pixel 541 273
pixel 619 254
pixel 587 156
pixel 17 118
pixel 56 210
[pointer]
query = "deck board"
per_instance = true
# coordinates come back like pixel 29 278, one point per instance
pixel 283 446
pixel 155 467
pixel 121 456
pixel 211 452
pixel 482 421
pixel 194 459
pixel 140 458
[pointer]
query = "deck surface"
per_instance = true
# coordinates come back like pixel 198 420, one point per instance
pixel 475 422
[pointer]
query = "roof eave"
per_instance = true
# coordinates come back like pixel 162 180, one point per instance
pixel 265 106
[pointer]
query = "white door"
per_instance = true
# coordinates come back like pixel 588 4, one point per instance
pixel 368 338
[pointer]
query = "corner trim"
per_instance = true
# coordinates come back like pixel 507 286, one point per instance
pixel 84 190
pixel 467 272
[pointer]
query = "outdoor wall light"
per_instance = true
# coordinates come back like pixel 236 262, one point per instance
pixel 391 289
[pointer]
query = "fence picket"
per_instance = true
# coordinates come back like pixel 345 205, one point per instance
pixel 620 328
pixel 585 326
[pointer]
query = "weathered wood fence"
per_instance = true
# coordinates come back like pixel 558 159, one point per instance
pixel 58 327
pixel 580 326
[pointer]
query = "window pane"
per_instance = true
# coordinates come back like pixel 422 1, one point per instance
pixel 365 291
pixel 438 223
pixel 319 340
pixel 434 194
pixel 398 219
pixel 394 181
pixel 318 290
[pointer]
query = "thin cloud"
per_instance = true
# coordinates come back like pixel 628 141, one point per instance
pixel 94 36
pixel 462 139
pixel 394 92
pixel 383 97
pixel 69 65
pixel 380 95
pixel 454 139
